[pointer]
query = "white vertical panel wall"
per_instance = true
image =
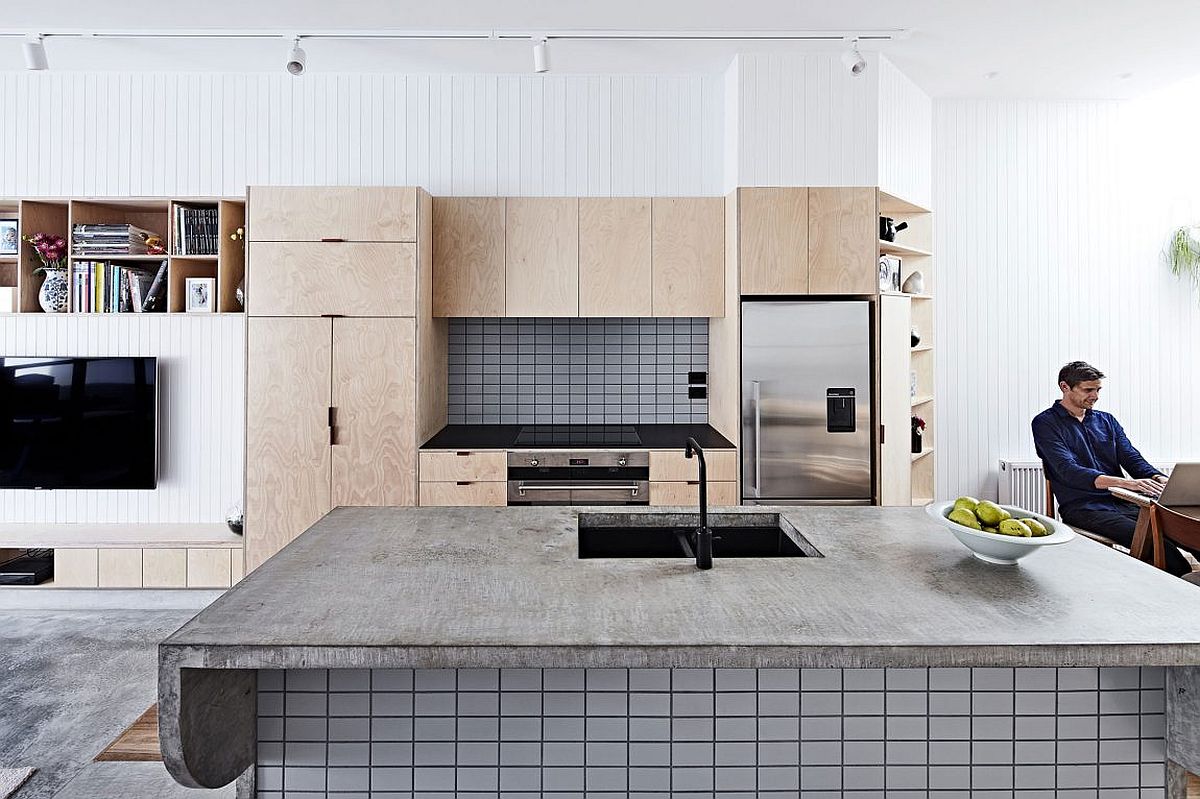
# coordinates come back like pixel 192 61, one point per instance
pixel 804 120
pixel 201 361
pixel 1048 249
pixel 905 137
pixel 214 134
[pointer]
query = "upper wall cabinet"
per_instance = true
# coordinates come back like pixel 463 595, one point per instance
pixel 332 213
pixel 614 256
pixel 468 256
pixel 773 240
pixel 306 278
pixel 842 241
pixel 688 252
pixel 541 256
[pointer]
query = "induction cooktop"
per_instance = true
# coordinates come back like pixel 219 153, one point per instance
pixel 584 435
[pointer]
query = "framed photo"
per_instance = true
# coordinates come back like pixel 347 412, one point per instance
pixel 889 273
pixel 10 243
pixel 199 293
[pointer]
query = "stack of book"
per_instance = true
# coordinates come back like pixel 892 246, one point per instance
pixel 195 231
pixel 110 240
pixel 102 287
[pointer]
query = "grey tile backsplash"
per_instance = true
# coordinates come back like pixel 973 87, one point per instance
pixel 576 371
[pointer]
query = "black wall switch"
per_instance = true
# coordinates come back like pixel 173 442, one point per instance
pixel 697 392
pixel 697 378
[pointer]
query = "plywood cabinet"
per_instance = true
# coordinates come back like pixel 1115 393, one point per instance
pixel 338 213
pixel 340 279
pixel 541 259
pixel 773 240
pixel 671 465
pixel 688 251
pixel 468 256
pixel 614 256
pixel 374 399
pixel 464 494
pixel 720 493
pixel 842 241
pixel 330 421
pixel 288 458
pixel 895 478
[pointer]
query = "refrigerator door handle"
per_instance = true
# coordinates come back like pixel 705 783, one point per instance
pixel 756 387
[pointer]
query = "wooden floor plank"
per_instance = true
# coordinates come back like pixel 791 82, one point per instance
pixel 139 742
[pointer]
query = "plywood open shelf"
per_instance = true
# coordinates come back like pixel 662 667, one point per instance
pixel 227 265
pixel 893 248
pixel 916 364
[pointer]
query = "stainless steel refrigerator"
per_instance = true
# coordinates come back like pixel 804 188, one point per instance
pixel 806 402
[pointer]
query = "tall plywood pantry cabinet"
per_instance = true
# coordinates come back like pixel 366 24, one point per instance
pixel 340 331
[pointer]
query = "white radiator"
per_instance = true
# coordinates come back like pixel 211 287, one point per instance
pixel 1023 484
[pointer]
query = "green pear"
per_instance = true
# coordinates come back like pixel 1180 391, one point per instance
pixel 1015 527
pixel 966 502
pixel 964 517
pixel 991 514
pixel 1037 528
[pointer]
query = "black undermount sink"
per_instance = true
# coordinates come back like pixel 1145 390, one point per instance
pixel 668 535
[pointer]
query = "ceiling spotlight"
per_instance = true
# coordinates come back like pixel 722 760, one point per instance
pixel 541 54
pixel 296 58
pixel 854 60
pixel 35 53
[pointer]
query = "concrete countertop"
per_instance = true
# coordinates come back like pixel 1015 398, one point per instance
pixel 486 587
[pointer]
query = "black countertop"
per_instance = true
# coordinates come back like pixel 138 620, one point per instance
pixel 575 436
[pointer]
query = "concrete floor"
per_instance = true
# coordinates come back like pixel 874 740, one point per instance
pixel 79 667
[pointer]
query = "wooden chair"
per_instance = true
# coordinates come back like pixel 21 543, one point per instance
pixel 1051 512
pixel 1167 528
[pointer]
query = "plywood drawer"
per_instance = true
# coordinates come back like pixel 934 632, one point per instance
pixel 164 568
pixel 209 568
pixel 349 213
pixel 442 466
pixel 469 494
pixel 76 568
pixel 316 279
pixel 670 465
pixel 720 494
pixel 120 568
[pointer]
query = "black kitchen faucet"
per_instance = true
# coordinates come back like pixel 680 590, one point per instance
pixel 703 543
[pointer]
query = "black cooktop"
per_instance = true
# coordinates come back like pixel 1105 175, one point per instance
pixel 569 435
pixel 575 436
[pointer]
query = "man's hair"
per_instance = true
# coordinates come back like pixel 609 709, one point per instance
pixel 1077 372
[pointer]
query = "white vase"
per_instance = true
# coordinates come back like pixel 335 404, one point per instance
pixel 53 294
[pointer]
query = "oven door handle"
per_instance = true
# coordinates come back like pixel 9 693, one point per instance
pixel 521 489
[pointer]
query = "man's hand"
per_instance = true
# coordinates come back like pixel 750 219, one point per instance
pixel 1147 485
pixel 1162 478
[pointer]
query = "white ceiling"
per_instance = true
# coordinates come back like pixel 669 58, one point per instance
pixel 1018 48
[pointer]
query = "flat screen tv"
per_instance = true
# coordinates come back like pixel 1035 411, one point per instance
pixel 78 423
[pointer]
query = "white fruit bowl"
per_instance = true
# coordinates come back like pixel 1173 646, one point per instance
pixel 996 548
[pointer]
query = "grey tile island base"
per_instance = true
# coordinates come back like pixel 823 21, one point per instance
pixel 394 652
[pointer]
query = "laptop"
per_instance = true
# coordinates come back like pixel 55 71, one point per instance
pixel 1182 491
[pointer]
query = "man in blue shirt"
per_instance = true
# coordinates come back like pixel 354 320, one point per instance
pixel 1083 451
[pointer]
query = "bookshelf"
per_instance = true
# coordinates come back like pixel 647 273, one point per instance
pixel 224 260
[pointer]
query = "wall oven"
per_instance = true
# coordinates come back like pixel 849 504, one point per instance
pixel 560 477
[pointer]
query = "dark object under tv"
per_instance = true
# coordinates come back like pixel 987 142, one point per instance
pixel 33 568
pixel 78 423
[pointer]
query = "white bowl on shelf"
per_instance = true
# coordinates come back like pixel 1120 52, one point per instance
pixel 1002 549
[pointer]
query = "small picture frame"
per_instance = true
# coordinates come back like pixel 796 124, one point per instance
pixel 10 242
pixel 889 273
pixel 199 293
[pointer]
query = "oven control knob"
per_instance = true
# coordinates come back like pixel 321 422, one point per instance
pixel 533 461
pixel 621 461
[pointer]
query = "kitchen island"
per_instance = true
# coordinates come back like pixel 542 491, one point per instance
pixel 470 651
